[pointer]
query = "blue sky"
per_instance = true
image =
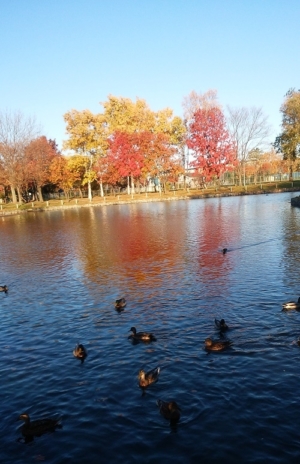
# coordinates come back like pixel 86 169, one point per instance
pixel 58 55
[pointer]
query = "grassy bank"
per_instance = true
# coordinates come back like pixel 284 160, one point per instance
pixel 11 208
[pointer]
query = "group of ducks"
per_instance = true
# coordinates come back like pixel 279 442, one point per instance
pixel 169 409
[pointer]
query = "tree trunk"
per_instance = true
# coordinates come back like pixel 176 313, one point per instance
pixel 13 193
pixel 39 189
pixel 132 185
pixel 90 191
pixel 101 189
pixel 128 186
pixel 19 195
pixel 291 172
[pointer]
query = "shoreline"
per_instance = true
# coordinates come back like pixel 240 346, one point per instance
pixel 109 201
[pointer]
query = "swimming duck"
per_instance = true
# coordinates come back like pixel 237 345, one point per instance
pixel 224 251
pixel 120 304
pixel 80 352
pixel 3 288
pixel 221 325
pixel 170 410
pixel 291 305
pixel 144 336
pixel 38 427
pixel 216 345
pixel 147 378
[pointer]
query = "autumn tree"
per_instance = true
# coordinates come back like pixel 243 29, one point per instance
pixel 16 132
pixel 87 136
pixel 213 148
pixel 62 174
pixel 76 165
pixel 38 156
pixel 125 155
pixel 250 130
pixel 191 104
pixel 288 142
pixel 125 116
pixel 91 135
pixel 161 159
pixel 105 172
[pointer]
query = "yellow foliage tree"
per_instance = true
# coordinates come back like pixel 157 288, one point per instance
pixel 88 137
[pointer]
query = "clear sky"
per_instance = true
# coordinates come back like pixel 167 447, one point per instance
pixel 58 55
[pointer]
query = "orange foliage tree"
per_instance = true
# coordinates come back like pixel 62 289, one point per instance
pixel 38 155
pixel 62 175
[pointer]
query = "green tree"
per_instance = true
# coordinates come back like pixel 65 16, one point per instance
pixel 288 142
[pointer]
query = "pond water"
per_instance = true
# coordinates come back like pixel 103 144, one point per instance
pixel 66 268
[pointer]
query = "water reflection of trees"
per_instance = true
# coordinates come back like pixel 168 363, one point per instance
pixel 217 229
pixel 131 241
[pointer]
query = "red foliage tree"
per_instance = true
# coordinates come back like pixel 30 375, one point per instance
pixel 125 155
pixel 209 139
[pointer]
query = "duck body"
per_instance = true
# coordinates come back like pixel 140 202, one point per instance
pixel 147 378
pixel 4 288
pixel 120 304
pixel 291 305
pixel 217 345
pixel 142 336
pixel 221 325
pixel 169 410
pixel 80 352
pixel 38 427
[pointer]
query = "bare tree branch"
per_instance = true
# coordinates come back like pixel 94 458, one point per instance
pixel 16 131
pixel 249 128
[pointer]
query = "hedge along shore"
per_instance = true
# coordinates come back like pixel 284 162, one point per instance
pixel 136 198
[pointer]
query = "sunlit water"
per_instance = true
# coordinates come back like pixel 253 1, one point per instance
pixel 65 269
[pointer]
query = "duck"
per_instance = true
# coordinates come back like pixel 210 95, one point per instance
pixel 291 305
pixel 120 304
pixel 144 336
pixel 169 410
pixel 224 251
pixel 3 288
pixel 147 378
pixel 216 345
pixel 80 352
pixel 38 427
pixel 221 325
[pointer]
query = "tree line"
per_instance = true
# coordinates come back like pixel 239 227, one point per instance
pixel 128 144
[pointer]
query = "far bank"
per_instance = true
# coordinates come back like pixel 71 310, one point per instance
pixel 173 195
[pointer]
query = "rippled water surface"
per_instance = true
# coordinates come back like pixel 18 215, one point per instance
pixel 65 269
